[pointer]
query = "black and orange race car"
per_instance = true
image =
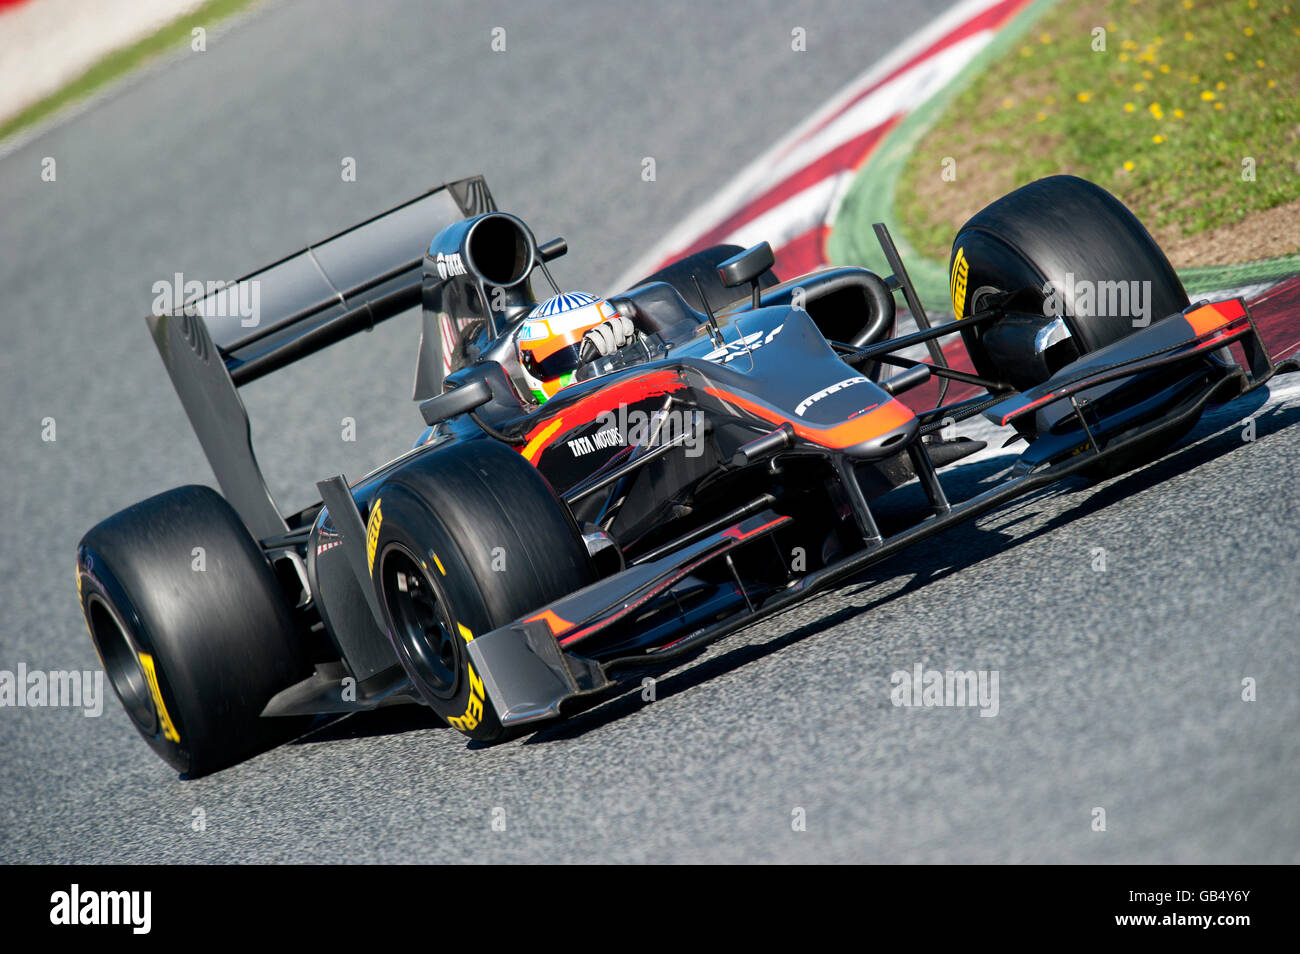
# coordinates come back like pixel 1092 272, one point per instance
pixel 728 462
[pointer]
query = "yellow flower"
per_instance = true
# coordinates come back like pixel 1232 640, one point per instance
pixel 1157 139
pixel 1123 57
pixel 1129 107
pixel 1139 87
pixel 1254 4
pixel 1164 67
pixel 1193 78
pixel 1248 31
pixel 1260 64
pixel 1229 56
pixel 1128 165
pixel 1147 74
pixel 1220 85
pixel 1044 38
pixel 1189 36
pixel 1178 114
pixel 1272 83
pixel 1084 97
pixel 1218 105
pixel 1206 95
pixel 1008 103
pixel 1188 4
pixel 1040 116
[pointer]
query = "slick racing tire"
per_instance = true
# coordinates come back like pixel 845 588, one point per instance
pixel 1059 244
pixel 461 541
pixel 1056 243
pixel 703 265
pixel 192 628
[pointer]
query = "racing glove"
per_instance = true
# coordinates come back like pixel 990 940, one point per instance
pixel 607 337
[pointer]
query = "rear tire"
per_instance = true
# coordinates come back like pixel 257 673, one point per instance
pixel 461 541
pixel 194 642
pixel 703 265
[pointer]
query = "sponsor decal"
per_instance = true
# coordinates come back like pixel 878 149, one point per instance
pixel 640 388
pixel 656 428
pixel 871 422
pixel 601 440
pixel 449 265
pixel 164 719
pixel 750 342
pixel 534 330
pixel 957 282
pixel 373 523
pixel 812 399
pixel 473 713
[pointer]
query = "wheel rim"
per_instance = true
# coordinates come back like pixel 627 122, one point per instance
pixel 421 622
pixel 121 663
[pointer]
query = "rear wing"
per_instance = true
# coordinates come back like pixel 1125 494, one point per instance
pixel 235 332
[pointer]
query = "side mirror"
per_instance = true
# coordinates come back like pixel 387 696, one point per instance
pixel 461 400
pixel 747 266
pixel 549 251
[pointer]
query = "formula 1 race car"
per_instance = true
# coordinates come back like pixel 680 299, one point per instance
pixel 724 464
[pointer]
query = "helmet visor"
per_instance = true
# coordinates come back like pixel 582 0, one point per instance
pixel 554 365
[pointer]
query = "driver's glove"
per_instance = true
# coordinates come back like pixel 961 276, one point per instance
pixel 607 337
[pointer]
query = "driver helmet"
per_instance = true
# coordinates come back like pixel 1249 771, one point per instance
pixel 550 338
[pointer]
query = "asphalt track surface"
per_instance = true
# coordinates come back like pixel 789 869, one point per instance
pixel 1119 689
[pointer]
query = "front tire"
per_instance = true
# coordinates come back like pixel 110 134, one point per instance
pixel 461 541
pixel 192 628
pixel 1048 242
pixel 1061 244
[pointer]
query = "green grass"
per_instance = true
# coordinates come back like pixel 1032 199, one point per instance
pixel 1164 117
pixel 120 62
